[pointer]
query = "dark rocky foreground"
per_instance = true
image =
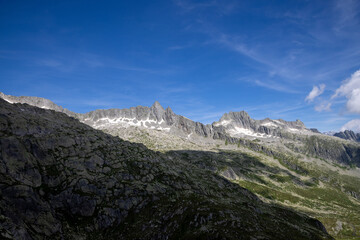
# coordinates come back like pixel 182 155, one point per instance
pixel 61 179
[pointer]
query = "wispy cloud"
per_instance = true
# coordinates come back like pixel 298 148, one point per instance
pixel 180 46
pixel 315 92
pixel 323 106
pixel 347 11
pixel 70 62
pixel 275 86
pixel 235 44
pixel 292 58
pixel 265 63
pixel 221 7
pixel 49 63
pixel 189 5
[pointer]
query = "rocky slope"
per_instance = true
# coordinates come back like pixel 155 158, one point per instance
pixel 62 179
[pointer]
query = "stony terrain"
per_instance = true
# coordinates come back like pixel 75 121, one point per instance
pixel 65 180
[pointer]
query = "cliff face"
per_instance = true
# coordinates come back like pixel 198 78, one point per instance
pixel 62 179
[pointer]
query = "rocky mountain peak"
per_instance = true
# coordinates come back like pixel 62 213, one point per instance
pixel 169 110
pixel 157 105
pixel 158 110
pixel 235 116
pixel 300 123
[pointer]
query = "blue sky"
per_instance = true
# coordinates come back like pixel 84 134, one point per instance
pixel 201 58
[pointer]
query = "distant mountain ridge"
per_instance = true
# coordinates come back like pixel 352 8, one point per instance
pixel 348 135
pixel 238 124
pixel 235 124
pixel 233 127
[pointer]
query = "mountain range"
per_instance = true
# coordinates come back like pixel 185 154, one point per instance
pixel 158 118
pixel 231 127
pixel 285 164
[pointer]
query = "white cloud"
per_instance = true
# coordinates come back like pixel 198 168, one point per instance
pixel 351 90
pixel 352 125
pixel 323 106
pixel 315 92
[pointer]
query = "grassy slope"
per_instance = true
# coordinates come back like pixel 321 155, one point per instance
pixel 321 193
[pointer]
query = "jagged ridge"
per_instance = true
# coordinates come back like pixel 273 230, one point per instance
pixel 233 126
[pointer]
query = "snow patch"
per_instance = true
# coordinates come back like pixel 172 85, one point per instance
pixel 269 124
pixel 125 122
pixel 223 123
pixel 8 101
pixel 293 130
pixel 237 131
pixel 188 136
pixel 278 122
pixel 301 131
pixel 163 129
pixel 45 107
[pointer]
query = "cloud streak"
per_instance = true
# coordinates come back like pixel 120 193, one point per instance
pixel 275 86
pixel 221 7
pixel 323 106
